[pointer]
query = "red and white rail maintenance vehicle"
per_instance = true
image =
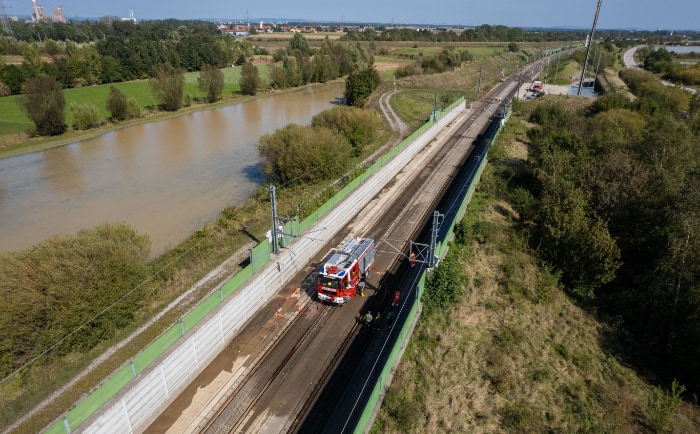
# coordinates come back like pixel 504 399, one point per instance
pixel 340 276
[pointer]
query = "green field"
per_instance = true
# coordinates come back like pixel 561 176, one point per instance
pixel 14 121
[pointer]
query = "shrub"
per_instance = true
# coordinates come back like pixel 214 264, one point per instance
pixel 358 126
pixel 85 116
pixel 4 90
pixel 406 71
pixel 211 81
pixel 117 104
pixel 661 404
pixel 445 283
pixel 133 109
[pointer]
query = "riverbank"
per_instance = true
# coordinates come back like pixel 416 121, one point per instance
pixel 18 144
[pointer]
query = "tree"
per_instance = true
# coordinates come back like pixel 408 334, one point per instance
pixel 250 79
pixel 300 43
pixel 44 103
pixel 278 79
pixel 211 81
pixel 116 104
pixel 303 154
pixel 360 84
pixel 292 72
pixel 31 61
pixel 358 126
pixel 168 85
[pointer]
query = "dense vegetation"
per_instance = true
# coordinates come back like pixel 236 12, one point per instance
pixel 297 155
pixel 500 348
pixel 664 62
pixel 612 201
pixel 69 293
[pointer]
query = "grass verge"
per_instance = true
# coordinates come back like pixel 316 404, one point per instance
pixel 515 354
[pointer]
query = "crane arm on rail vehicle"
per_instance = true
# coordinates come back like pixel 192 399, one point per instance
pixel 340 275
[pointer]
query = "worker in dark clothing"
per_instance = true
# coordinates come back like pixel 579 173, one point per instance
pixel 390 318
pixel 378 321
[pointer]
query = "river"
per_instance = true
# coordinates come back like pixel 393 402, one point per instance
pixel 166 178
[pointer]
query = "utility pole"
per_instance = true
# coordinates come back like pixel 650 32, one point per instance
pixel 478 90
pixel 437 221
pixel 595 76
pixel 3 17
pixel 427 257
pixel 435 107
pixel 273 200
pixel 588 50
pixel 556 72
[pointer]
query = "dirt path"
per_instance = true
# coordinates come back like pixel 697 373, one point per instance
pixel 394 120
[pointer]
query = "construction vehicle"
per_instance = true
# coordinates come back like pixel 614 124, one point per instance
pixel 340 276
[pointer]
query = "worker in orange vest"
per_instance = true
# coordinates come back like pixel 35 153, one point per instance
pixel 412 260
pixel 395 303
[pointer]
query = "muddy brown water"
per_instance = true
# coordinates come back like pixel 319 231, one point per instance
pixel 166 178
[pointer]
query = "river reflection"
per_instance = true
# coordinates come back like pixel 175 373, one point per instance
pixel 166 179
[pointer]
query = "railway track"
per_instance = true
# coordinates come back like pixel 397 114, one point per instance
pixel 284 382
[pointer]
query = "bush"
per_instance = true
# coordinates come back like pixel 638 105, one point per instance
pixel 168 85
pixel 661 404
pixel 406 71
pixel 445 284
pixel 360 85
pixel 117 104
pixel 211 81
pixel 133 109
pixel 358 126
pixel 85 116
pixel 303 154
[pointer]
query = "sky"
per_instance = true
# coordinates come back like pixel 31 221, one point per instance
pixel 614 14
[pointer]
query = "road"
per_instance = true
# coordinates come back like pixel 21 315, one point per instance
pixel 631 64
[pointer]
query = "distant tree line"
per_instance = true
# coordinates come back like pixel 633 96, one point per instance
pixel 115 52
pixel 162 52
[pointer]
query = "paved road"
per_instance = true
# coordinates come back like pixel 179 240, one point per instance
pixel 629 58
pixel 631 64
